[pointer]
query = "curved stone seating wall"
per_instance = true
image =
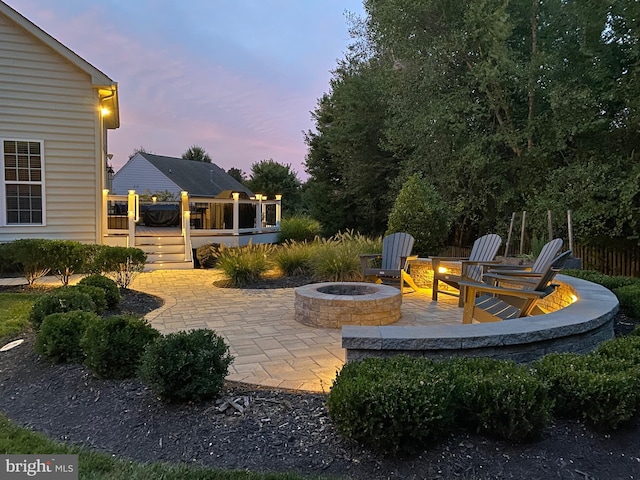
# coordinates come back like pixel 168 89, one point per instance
pixel 578 327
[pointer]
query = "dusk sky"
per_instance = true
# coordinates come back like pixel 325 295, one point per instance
pixel 236 77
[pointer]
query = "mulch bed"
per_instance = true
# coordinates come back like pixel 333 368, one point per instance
pixel 277 430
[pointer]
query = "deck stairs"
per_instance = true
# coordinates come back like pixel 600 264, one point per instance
pixel 165 250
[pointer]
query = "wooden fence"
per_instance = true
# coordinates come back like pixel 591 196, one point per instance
pixel 625 262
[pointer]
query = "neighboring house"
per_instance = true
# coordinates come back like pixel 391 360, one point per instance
pixel 55 111
pixel 145 172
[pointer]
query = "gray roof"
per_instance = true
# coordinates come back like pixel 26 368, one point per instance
pixel 200 179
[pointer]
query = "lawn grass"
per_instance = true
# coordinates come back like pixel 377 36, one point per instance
pixel 14 312
pixel 14 319
pixel 100 466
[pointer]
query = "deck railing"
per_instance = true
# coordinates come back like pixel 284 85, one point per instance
pixel 198 216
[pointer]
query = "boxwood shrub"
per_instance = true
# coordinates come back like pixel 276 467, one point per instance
pixel 97 295
pixel 59 301
pixel 500 398
pixel 60 333
pixel 629 298
pixel 110 288
pixel 601 389
pixel 186 366
pixel 113 346
pixel 394 404
pixel 607 281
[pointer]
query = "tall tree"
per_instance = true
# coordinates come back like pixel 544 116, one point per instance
pixel 197 154
pixel 237 174
pixel 347 159
pixel 271 178
pixel 498 103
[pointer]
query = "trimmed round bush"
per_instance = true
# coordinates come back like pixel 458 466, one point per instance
pixel 110 288
pixel 629 298
pixel 59 301
pixel 113 346
pixel 396 404
pixel 96 294
pixel 501 398
pixel 186 366
pixel 600 389
pixel 60 333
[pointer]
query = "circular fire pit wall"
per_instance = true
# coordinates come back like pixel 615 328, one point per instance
pixel 331 305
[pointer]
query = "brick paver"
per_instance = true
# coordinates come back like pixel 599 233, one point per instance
pixel 269 346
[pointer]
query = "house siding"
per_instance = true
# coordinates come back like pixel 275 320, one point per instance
pixel 45 97
pixel 140 175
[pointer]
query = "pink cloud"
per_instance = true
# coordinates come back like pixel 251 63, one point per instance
pixel 175 92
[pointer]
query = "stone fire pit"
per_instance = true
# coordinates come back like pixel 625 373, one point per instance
pixel 332 305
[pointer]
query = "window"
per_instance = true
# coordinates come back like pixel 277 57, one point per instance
pixel 23 182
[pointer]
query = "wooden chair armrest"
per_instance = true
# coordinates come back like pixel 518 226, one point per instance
pixel 510 292
pixel 365 258
pixel 485 262
pixel 449 259
pixel 523 281
pixel 514 273
pixel 506 266
pixel 404 261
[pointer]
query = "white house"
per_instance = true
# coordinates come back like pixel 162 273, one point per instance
pixel 155 173
pixel 55 111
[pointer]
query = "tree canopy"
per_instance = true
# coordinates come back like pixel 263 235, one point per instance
pixel 237 174
pixel 197 154
pixel 503 105
pixel 271 178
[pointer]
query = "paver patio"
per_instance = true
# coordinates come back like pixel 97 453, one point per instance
pixel 269 346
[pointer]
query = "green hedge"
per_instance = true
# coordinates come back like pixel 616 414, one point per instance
pixel 500 398
pixel 113 346
pixel 399 404
pixel 60 300
pixel 60 334
pixel 601 389
pixel 186 366
pixel 393 405
pixel 108 286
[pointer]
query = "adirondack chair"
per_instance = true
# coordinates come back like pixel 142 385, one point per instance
pixel 496 303
pixel 472 268
pixel 396 253
pixel 532 273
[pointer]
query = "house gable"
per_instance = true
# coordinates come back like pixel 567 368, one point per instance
pixel 140 175
pixel 51 98
pixel 199 179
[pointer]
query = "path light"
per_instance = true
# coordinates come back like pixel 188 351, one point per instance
pixel 442 270
pixel 11 345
